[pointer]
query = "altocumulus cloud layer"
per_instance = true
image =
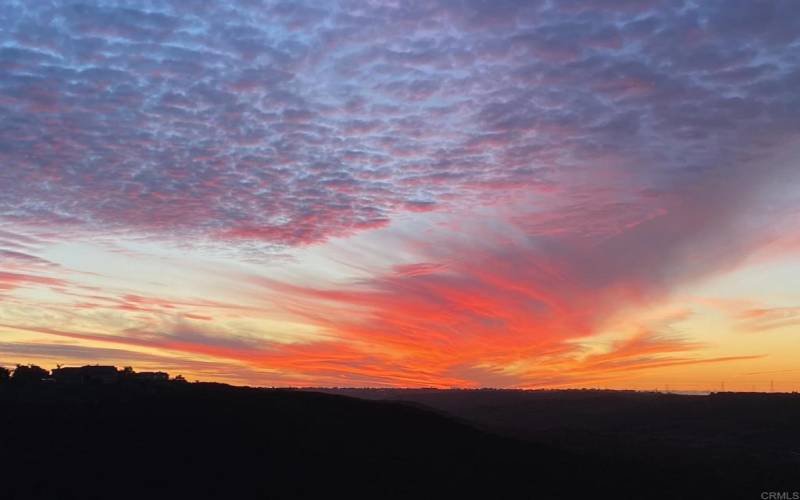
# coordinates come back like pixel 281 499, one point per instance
pixel 290 123
pixel 617 149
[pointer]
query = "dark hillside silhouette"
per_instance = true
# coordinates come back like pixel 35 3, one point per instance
pixel 69 434
pixel 136 439
pixel 760 421
pixel 744 443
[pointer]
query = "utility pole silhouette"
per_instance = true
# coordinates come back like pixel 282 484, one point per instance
pixel 722 387
pixel 771 386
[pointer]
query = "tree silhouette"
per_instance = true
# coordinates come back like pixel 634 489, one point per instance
pixel 127 373
pixel 5 374
pixel 28 374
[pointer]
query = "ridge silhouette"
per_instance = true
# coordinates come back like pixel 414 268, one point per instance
pixel 79 433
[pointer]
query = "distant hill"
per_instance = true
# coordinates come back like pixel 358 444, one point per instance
pixel 737 443
pixel 168 439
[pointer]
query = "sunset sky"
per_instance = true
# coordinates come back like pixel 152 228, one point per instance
pixel 370 193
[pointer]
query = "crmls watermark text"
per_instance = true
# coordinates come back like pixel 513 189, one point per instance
pixel 780 495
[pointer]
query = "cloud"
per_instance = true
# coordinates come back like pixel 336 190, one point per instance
pixel 10 281
pixel 514 299
pixel 291 123
pixel 578 162
pixel 12 257
pixel 770 318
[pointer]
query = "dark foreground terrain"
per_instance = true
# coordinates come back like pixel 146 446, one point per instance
pixel 724 444
pixel 180 440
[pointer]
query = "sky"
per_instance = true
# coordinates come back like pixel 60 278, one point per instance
pixel 375 193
